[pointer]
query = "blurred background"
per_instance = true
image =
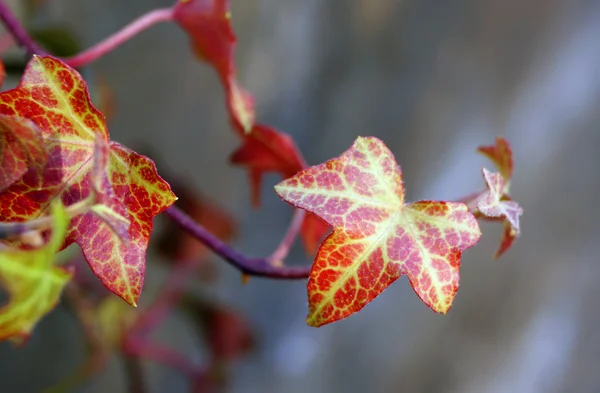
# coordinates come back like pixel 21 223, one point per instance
pixel 434 80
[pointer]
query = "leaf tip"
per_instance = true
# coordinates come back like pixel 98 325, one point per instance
pixel 313 320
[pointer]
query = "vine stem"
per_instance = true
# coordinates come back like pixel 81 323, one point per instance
pixel 110 43
pixel 260 267
pixel 16 29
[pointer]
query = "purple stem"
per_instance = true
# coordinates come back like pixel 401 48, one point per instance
pixel 260 267
pixel 16 29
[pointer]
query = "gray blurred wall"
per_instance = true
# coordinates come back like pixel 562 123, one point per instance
pixel 434 80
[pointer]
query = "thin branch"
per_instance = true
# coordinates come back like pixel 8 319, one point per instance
pixel 282 251
pixel 260 267
pixel 16 29
pixel 109 44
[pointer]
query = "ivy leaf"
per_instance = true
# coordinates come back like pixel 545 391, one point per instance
pixel 377 237
pixel 56 99
pixel 21 148
pixel 208 24
pixel 501 155
pixel 267 150
pixel 33 283
pixel 494 203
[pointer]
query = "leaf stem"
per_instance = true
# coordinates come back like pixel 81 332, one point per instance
pixel 110 43
pixel 282 251
pixel 16 29
pixel 10 229
pixel 260 267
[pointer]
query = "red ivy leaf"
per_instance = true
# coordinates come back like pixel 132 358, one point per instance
pixel 377 238
pixel 56 99
pixel 21 148
pixel 266 150
pixel 501 156
pixel 208 24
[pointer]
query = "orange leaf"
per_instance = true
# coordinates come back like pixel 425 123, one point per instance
pixel 208 24
pixel 501 155
pixel 21 148
pixel 56 99
pixel 377 237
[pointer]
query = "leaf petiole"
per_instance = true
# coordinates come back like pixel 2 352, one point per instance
pixel 11 229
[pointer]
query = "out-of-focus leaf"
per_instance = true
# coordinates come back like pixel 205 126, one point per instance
pixel 33 283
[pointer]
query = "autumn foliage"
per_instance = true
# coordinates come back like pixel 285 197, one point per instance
pixel 63 181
